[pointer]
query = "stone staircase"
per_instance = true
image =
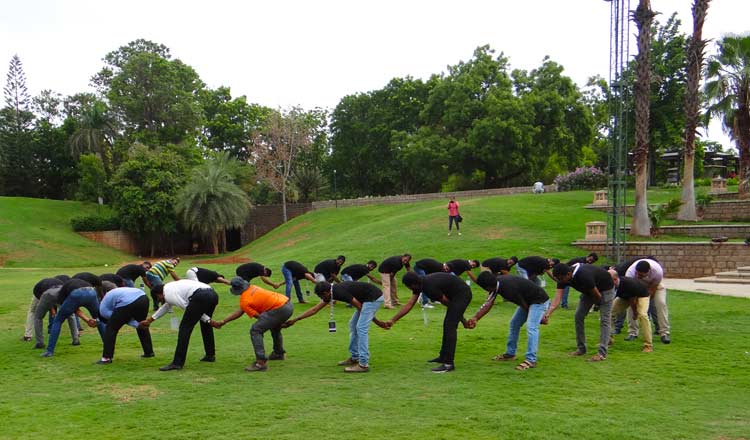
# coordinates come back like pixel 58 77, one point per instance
pixel 739 276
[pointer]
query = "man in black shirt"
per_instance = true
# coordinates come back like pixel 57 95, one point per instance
pixel 458 267
pixel 424 267
pixel 388 270
pixel 248 271
pixel 532 267
pixel 328 270
pixel 130 272
pixel 632 293
pixel 453 293
pixel 500 265
pixel 367 299
pixel 205 276
pixel 588 259
pixel 354 272
pixel 596 287
pixel 294 271
pixel 532 302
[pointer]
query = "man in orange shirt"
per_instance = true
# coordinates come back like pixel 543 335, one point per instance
pixel 271 309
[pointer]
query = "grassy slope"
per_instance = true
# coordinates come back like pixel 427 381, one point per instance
pixel 694 388
pixel 37 233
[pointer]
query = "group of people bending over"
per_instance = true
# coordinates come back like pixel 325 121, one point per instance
pixel 113 301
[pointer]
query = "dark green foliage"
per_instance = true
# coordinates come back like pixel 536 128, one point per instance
pixel 94 223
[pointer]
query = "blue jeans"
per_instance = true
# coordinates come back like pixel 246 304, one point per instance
pixel 523 273
pixel 359 328
pixel 289 281
pixel 83 297
pixel 422 297
pixel 566 292
pixel 346 277
pixel 128 282
pixel 532 319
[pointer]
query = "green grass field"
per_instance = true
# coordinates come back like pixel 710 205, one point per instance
pixel 695 388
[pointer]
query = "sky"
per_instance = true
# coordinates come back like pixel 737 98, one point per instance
pixel 281 53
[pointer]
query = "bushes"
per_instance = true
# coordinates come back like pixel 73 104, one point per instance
pixel 582 178
pixel 94 223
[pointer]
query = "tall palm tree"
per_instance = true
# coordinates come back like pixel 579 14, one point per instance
pixel 728 92
pixel 211 202
pixel 695 52
pixel 643 16
pixel 95 134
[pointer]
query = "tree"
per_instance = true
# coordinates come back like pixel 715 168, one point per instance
pixel 15 134
pixel 143 190
pixel 695 52
pixel 93 178
pixel 643 17
pixel 276 148
pixel 211 202
pixel 229 123
pixel 155 97
pixel 95 134
pixel 728 91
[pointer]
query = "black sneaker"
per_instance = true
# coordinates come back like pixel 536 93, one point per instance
pixel 208 358
pixel 171 367
pixel 437 360
pixel 444 368
pixel 665 339
pixel 631 338
pixel 276 356
pixel 39 345
pixel 148 355
pixel 104 361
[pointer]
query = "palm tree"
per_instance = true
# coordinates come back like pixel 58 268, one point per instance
pixel 95 134
pixel 728 92
pixel 695 52
pixel 211 202
pixel 643 16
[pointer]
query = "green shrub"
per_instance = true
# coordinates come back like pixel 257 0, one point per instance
pixel 702 200
pixel 703 181
pixel 657 213
pixel 94 223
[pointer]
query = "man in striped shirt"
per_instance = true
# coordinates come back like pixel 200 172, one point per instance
pixel 158 273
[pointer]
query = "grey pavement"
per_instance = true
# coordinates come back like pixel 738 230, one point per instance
pixel 725 289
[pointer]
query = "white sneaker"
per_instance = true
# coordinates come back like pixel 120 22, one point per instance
pixel 428 306
pixel 459 233
pixel 449 234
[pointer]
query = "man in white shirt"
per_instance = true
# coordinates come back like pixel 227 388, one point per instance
pixel 538 187
pixel 199 301
pixel 650 272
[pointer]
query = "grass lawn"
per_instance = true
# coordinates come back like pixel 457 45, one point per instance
pixel 694 388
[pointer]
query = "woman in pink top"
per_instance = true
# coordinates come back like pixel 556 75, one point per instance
pixel 453 215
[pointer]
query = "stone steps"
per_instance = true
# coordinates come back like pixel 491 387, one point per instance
pixel 739 276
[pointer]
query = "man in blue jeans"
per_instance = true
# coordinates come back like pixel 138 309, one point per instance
pixel 74 294
pixel 532 302
pixel 294 271
pixel 367 299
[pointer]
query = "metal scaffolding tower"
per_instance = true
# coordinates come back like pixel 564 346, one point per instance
pixel 619 51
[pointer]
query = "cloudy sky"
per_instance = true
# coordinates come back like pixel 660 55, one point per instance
pixel 312 53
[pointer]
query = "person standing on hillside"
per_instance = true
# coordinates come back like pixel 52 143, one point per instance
pixel 248 271
pixel 388 270
pixel 453 293
pixel 453 215
pixel 205 276
pixel 130 272
pixel 158 273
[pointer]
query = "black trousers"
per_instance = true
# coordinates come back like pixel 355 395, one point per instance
pixel 203 301
pixel 137 310
pixel 456 308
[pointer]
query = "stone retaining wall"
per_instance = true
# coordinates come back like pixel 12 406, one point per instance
pixel 729 231
pixel 115 239
pixel 718 211
pixel 684 260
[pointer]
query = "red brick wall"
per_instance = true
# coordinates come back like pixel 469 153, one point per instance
pixel 116 239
